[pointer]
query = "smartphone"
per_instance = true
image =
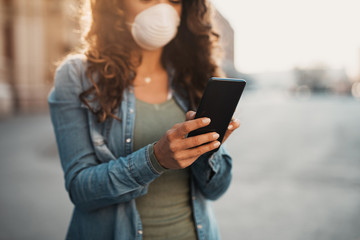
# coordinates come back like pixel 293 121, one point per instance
pixel 218 103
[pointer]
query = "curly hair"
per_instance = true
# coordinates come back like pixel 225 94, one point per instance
pixel 109 47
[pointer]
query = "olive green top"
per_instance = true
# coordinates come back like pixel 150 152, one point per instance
pixel 165 210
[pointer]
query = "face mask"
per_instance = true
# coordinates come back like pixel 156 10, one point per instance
pixel 155 27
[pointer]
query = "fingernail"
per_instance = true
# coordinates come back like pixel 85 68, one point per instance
pixel 216 135
pixel 217 144
pixel 230 127
pixel 206 120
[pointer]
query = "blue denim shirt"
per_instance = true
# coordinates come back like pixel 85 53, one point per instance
pixel 103 175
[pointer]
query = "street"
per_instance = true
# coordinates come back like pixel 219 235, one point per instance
pixel 296 173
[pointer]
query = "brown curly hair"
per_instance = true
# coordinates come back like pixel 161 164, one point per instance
pixel 109 47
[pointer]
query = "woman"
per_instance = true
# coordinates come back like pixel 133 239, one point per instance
pixel 118 113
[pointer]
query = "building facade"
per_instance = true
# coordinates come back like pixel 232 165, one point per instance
pixel 34 35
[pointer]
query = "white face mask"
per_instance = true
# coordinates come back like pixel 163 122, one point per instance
pixel 155 27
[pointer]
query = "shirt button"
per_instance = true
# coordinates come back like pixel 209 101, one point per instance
pixel 140 232
pixel 128 140
pixel 131 110
pixel 199 226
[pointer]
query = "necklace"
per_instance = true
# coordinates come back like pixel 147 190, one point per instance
pixel 147 80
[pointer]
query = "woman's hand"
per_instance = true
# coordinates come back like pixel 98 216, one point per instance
pixel 175 151
pixel 234 124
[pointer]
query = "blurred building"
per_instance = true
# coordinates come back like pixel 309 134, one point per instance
pixel 355 88
pixel 227 39
pixel 35 34
pixel 223 27
pixel 322 79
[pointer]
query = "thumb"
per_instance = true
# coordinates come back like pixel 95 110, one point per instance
pixel 190 115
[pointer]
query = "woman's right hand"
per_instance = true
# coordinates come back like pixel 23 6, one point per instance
pixel 175 151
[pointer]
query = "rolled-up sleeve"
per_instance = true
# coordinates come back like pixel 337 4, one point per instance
pixel 91 183
pixel 212 174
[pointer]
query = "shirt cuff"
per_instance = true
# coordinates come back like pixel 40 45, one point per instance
pixel 154 162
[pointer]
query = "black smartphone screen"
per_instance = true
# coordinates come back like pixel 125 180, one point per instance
pixel 218 103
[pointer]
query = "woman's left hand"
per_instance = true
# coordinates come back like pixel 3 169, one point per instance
pixel 234 124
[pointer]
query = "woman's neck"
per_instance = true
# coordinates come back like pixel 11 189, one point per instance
pixel 150 63
pixel 151 81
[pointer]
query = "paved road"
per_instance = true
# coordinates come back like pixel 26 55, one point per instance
pixel 296 173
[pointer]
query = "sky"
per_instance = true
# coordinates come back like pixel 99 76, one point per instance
pixel 278 35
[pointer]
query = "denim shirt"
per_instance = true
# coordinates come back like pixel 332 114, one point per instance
pixel 103 176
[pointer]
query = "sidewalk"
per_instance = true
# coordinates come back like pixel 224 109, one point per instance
pixel 296 174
